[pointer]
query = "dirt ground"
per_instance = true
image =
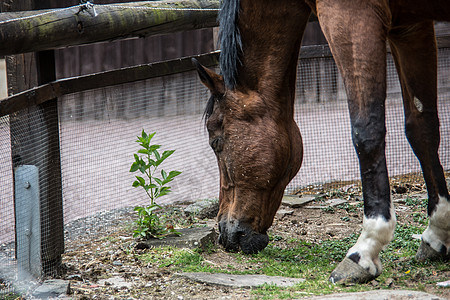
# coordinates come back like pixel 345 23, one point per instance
pixel 90 259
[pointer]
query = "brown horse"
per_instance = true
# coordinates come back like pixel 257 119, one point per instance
pixel 258 145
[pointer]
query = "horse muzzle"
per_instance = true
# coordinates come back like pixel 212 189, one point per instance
pixel 234 235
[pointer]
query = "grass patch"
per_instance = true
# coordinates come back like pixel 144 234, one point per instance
pixel 314 262
pixel 416 202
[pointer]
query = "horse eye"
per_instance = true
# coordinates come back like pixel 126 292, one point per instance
pixel 217 144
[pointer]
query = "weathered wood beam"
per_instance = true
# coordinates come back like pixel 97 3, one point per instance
pixel 46 92
pixel 39 30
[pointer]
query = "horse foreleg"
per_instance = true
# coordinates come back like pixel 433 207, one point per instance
pixel 414 50
pixel 356 32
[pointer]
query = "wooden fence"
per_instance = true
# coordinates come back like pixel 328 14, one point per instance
pixel 33 109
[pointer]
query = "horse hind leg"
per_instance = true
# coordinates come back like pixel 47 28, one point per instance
pixel 357 37
pixel 414 51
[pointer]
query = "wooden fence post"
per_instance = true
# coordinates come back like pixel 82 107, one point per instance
pixel 35 140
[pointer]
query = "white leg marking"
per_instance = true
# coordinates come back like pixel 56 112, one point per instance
pixel 438 230
pixel 375 235
pixel 418 104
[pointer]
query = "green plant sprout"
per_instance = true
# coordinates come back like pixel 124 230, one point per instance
pixel 147 160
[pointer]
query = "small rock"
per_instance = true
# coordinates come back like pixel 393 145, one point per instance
pixel 197 237
pixel 117 281
pixel 389 282
pixel 417 236
pixel 281 213
pixel 52 288
pixel 117 263
pixel 335 202
pixel 374 283
pixel 444 283
pixel 328 204
pixel 203 209
pixel 76 277
pixel 295 201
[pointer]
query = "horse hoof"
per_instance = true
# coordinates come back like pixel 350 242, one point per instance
pixel 348 271
pixel 426 252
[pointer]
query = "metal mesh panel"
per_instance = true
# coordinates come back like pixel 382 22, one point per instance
pixel 324 122
pixel 30 231
pixel 98 133
pixel 98 129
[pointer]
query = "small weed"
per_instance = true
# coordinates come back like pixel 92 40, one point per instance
pixel 275 237
pixel 11 296
pixel 348 208
pixel 147 161
pixel 416 202
pixel 328 209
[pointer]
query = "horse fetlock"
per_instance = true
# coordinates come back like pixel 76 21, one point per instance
pixel 436 238
pixel 376 234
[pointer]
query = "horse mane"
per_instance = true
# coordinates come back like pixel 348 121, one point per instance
pixel 230 41
pixel 209 108
pixel 231 48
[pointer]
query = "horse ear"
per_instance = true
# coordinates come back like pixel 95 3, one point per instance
pixel 213 81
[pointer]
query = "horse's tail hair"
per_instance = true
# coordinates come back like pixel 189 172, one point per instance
pixel 230 41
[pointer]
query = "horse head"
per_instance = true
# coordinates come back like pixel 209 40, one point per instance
pixel 259 150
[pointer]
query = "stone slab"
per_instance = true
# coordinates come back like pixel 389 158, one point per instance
pixel 444 284
pixel 379 294
pixel 203 209
pixel 284 212
pixel 52 288
pixel 328 203
pixel 416 236
pixel 295 201
pixel 116 281
pixel 197 237
pixel 240 281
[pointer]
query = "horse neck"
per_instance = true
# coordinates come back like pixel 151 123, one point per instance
pixel 271 36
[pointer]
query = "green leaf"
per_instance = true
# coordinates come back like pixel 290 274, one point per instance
pixel 151 209
pixel 157 155
pixel 163 174
pixel 158 180
pixel 167 153
pixel 151 162
pixel 172 175
pixel 143 151
pixel 141 180
pixel 143 134
pixel 164 192
pixel 151 136
pixel 136 183
pixel 134 167
pixel 154 148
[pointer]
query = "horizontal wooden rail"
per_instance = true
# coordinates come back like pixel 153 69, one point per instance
pixel 33 31
pixel 66 86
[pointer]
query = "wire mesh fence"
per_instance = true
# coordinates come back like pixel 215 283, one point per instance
pixel 98 129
